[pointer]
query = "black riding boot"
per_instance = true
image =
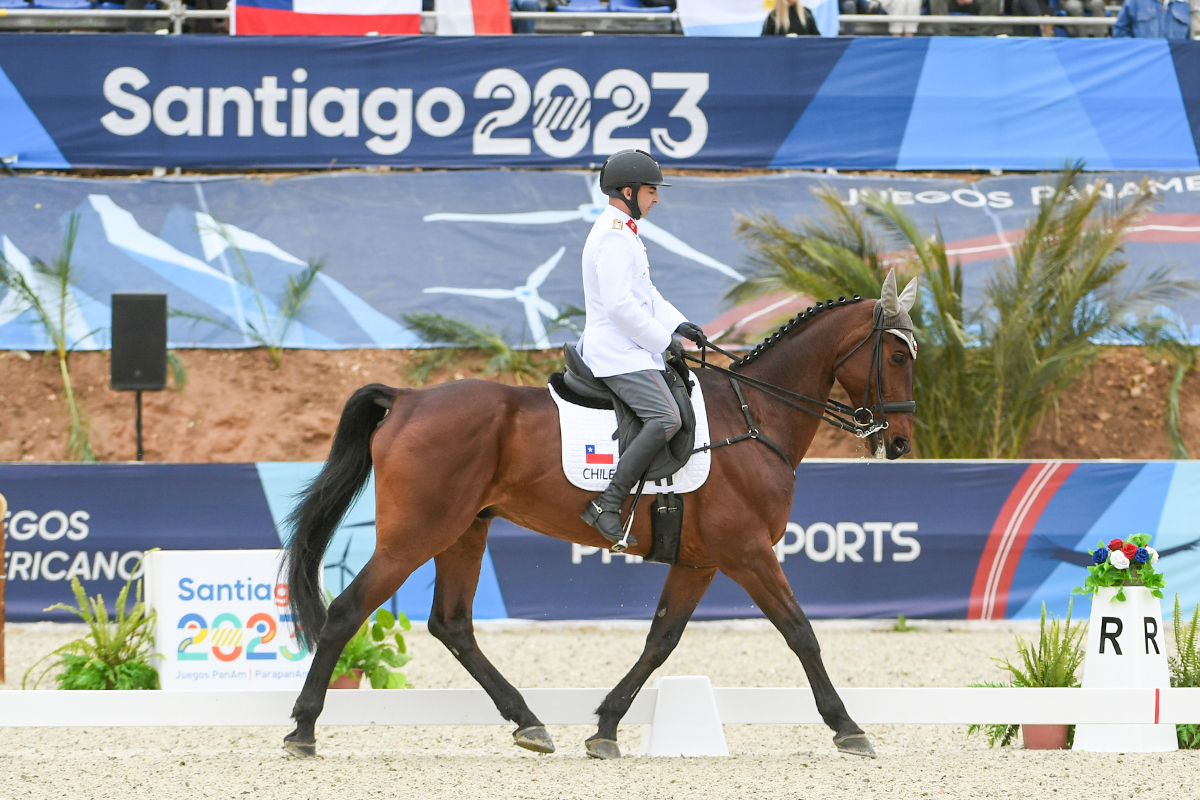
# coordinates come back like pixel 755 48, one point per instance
pixel 604 513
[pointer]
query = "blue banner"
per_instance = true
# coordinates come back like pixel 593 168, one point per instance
pixel 552 101
pixel 946 540
pixel 472 244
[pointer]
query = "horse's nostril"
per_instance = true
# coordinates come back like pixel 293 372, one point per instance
pixel 899 446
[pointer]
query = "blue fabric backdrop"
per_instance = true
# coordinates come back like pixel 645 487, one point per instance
pixel 870 103
pixel 395 243
pixel 922 544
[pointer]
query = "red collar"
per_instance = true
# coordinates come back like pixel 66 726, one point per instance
pixel 632 226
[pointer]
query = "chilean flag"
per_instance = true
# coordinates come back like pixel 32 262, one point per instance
pixel 471 17
pixel 325 17
pixel 592 457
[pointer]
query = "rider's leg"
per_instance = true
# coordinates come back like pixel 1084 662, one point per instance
pixel 645 392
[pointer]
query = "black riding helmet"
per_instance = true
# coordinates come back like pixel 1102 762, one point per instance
pixel 631 168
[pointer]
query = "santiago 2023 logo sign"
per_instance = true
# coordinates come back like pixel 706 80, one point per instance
pixel 223 621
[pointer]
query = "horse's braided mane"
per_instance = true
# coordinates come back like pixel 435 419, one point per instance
pixel 791 325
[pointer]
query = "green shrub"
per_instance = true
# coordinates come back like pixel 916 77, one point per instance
pixel 115 652
pixel 1185 669
pixel 502 358
pixel 1052 664
pixel 378 649
pixel 270 332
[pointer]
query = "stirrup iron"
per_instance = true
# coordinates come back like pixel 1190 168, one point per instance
pixel 624 543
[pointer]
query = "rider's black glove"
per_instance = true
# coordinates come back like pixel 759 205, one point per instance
pixel 675 350
pixel 690 330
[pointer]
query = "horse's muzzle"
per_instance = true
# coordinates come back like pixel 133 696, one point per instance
pixel 898 446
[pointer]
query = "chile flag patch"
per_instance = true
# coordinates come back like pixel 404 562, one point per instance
pixel 592 457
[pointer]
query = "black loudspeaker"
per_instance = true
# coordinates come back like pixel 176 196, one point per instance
pixel 139 342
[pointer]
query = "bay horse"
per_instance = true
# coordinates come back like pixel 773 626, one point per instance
pixel 450 458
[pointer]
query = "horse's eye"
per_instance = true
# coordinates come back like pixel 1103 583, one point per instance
pixel 898 358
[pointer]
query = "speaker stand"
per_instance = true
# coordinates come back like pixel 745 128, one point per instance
pixel 138 401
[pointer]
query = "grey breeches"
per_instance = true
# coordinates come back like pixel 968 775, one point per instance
pixel 647 394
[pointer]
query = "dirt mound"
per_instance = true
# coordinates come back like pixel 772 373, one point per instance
pixel 236 408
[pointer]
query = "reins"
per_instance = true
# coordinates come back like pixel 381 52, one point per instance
pixel 859 421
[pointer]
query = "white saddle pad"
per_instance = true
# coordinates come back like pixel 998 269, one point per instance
pixel 589 453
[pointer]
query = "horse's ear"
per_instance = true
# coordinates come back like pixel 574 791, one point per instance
pixel 908 297
pixel 887 297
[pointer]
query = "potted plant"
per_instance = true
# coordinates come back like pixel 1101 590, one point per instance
pixel 114 654
pixel 377 651
pixel 1121 563
pixel 1185 669
pixel 1051 664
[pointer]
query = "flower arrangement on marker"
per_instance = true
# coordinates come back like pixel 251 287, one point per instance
pixel 1123 562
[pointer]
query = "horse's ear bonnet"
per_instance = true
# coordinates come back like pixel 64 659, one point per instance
pixel 891 312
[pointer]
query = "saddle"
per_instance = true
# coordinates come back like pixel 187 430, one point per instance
pixel 576 384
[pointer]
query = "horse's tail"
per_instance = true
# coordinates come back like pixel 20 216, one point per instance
pixel 325 501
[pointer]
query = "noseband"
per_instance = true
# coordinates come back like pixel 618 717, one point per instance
pixel 864 421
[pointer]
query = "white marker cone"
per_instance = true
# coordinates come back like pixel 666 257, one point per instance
pixel 1126 648
pixel 686 720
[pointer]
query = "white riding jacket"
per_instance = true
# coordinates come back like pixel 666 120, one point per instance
pixel 628 324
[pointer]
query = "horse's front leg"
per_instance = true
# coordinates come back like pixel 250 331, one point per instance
pixel 681 593
pixel 759 573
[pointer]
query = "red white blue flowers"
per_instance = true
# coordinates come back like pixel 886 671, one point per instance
pixel 1123 563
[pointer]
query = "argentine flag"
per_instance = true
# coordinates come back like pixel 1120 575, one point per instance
pixel 746 17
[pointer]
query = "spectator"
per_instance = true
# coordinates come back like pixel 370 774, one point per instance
pixel 136 24
pixel 1076 8
pixel 902 8
pixel 785 19
pixel 1029 8
pixel 208 25
pixel 1153 19
pixel 979 8
pixel 527 25
pixel 863 7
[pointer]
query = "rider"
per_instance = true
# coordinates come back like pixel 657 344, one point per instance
pixel 628 327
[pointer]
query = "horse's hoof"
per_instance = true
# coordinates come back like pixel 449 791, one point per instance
pixel 602 748
pixel 856 744
pixel 534 738
pixel 300 749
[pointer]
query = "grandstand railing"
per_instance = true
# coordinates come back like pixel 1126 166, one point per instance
pixel 176 13
pixel 968 19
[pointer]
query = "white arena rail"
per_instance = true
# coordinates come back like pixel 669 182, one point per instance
pixel 30 709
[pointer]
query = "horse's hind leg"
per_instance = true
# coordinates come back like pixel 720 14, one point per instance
pixel 450 621
pixel 759 573
pixel 681 593
pixel 376 582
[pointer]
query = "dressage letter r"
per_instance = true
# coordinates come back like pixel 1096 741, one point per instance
pixel 1151 628
pixel 1110 635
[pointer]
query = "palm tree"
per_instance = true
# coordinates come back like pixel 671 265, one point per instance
pixel 986 376
pixel 46 289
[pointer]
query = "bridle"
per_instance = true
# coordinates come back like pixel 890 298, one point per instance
pixel 864 415
pixel 862 422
